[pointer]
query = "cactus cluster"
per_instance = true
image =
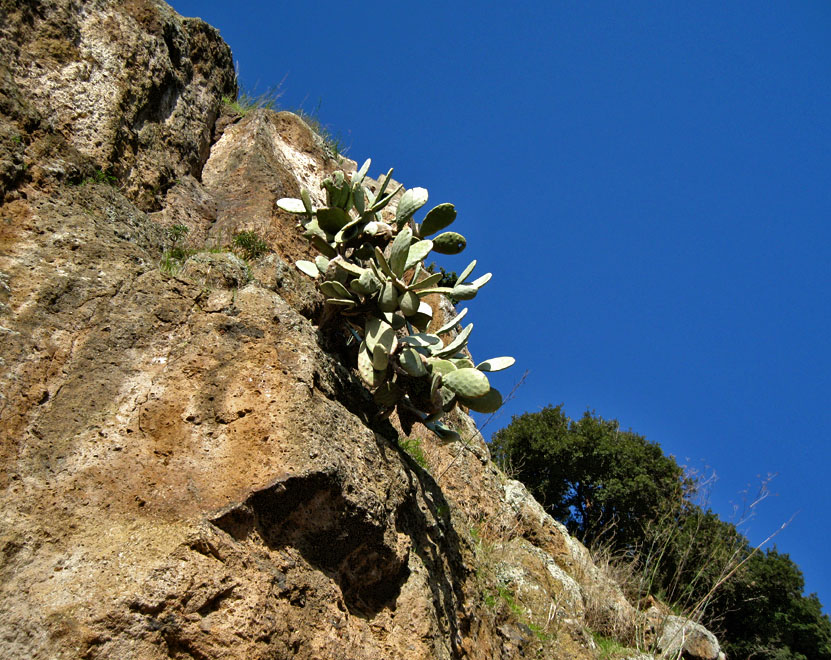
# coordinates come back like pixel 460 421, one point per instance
pixel 371 266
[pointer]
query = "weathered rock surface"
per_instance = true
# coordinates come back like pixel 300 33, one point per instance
pixel 189 466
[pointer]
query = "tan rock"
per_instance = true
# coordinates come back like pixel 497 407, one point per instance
pixel 190 465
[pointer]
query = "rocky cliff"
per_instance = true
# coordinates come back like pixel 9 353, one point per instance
pixel 190 466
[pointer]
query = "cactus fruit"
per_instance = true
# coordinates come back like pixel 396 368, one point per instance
pixel 449 243
pixel 469 383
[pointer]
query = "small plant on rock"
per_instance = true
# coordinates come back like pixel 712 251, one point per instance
pixel 371 268
pixel 250 244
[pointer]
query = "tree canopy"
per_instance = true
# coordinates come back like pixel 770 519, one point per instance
pixel 616 488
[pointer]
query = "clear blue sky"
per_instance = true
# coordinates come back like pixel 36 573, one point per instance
pixel 649 182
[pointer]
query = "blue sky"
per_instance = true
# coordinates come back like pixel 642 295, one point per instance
pixel 649 182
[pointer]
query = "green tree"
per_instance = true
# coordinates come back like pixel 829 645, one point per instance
pixel 589 474
pixel 598 479
pixel 766 615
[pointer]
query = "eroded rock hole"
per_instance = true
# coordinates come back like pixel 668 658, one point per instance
pixel 332 534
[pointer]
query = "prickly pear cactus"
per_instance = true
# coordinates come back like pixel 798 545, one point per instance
pixel 371 268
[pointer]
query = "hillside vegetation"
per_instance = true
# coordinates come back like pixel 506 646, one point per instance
pixel 621 495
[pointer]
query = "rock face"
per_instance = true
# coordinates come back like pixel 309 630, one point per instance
pixel 190 466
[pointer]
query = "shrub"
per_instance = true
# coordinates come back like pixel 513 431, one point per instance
pixel 250 244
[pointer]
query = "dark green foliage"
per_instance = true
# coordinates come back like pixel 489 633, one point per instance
pixel 250 245
pixel 448 278
pixel 614 487
pixel 590 474
pixel 767 616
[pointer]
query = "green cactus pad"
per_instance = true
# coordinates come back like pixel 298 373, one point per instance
pixel 437 218
pixel 452 323
pixel 439 366
pixel 382 263
pixel 322 263
pixel 307 201
pixel 388 394
pixel 416 253
pixel 291 205
pixel 463 363
pixel 399 250
pixel 479 282
pixel 377 331
pixel 464 292
pixel 397 321
pixel 488 403
pixel 469 383
pixel 341 302
pixel 349 267
pixel 312 229
pixel 427 282
pixel 449 243
pixel 388 300
pixel 369 375
pixel 422 340
pixel 422 318
pixel 456 345
pixel 380 357
pixel 332 219
pixel 410 202
pixel 307 267
pixel 412 363
pixel 448 399
pixel 323 246
pixel 467 271
pixel 358 176
pixel 445 433
pixel 334 289
pixel 496 364
pixel 408 303
pixel 366 284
